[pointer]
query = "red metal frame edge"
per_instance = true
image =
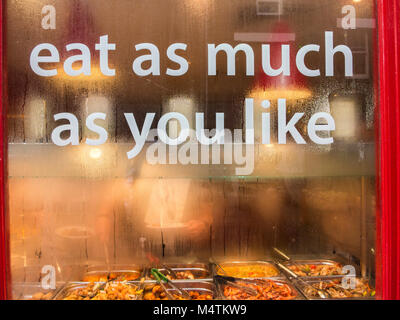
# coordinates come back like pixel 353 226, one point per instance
pixel 4 236
pixel 388 217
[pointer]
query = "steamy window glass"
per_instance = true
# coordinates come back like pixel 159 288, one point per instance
pixel 188 130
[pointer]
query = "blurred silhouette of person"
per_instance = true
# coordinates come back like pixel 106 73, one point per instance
pixel 155 218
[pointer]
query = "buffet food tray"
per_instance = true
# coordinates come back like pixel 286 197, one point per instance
pixel 103 273
pixel 315 262
pixel 200 271
pixel 34 291
pixel 302 287
pixel 269 265
pixel 280 281
pixel 71 286
pixel 201 287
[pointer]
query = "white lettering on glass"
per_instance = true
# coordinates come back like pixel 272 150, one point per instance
pixel 301 65
pixel 266 61
pixel 72 127
pixel 219 132
pixel 84 57
pixel 104 47
pixel 35 59
pixel 266 123
pixel 249 112
pixel 230 54
pixel 139 137
pixel 153 58
pixel 162 128
pixel 182 62
pixel 91 125
pixel 330 51
pixel 284 128
pixel 312 127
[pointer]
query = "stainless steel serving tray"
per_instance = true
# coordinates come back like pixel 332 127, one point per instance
pixel 203 287
pixel 201 271
pixel 134 272
pixel 278 280
pixel 34 291
pixel 302 288
pixel 315 262
pixel 246 263
pixel 71 286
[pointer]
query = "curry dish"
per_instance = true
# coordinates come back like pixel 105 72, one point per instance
pixel 266 290
pixel 156 292
pixel 248 271
pixel 337 291
pixel 316 270
pixel 105 276
pixel 111 291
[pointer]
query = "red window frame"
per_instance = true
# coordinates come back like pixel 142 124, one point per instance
pixel 388 212
pixel 5 274
pixel 388 168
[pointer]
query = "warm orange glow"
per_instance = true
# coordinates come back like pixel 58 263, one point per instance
pixel 74 232
pixel 96 75
pixel 285 93
pixel 198 5
pixel 95 153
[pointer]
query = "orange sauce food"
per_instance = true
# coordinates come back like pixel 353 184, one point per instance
pixel 249 271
